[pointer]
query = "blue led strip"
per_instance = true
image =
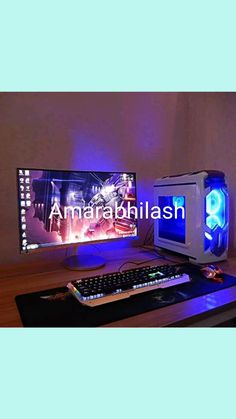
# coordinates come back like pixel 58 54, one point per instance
pixel 216 222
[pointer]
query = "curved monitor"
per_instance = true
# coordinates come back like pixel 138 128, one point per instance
pixel 59 208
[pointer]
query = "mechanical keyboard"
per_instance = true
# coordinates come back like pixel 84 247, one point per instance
pixel 107 288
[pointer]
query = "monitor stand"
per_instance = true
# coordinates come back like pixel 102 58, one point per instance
pixel 84 262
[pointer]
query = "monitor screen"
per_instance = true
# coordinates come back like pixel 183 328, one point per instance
pixel 67 207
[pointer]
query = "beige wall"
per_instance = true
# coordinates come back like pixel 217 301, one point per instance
pixel 154 134
pixel 144 132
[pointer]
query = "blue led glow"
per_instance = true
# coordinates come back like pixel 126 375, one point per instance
pixel 214 201
pixel 208 236
pixel 175 228
pixel 213 220
pixel 215 209
pixel 216 220
pixel 178 201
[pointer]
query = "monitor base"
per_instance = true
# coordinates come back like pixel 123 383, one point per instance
pixel 84 262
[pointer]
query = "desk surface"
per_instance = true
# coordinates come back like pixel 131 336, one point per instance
pixel 208 310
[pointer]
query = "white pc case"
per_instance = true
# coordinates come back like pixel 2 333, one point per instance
pixel 203 233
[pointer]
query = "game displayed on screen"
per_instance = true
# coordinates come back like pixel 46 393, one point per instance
pixel 59 207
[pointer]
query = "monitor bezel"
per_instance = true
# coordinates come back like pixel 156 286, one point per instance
pixel 74 244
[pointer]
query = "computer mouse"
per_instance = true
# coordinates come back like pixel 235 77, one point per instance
pixel 212 272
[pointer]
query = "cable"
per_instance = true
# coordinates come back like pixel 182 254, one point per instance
pixel 137 263
pixel 165 257
pixel 154 248
pixel 149 234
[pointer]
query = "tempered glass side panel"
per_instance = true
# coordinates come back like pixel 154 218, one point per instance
pixel 173 228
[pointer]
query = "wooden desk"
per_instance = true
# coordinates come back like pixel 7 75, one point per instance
pixel 208 310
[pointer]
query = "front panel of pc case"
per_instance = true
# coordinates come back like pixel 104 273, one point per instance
pixel 203 233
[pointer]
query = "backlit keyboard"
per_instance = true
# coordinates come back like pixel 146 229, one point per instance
pixel 110 287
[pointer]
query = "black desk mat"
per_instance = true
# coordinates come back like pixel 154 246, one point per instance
pixel 37 312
